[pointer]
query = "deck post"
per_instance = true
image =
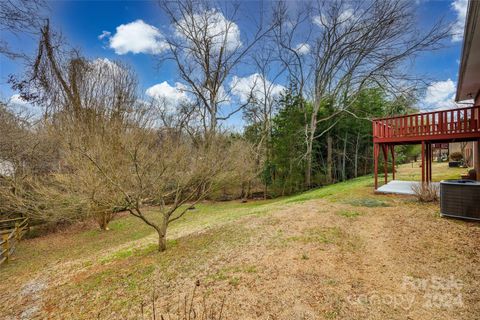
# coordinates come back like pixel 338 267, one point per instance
pixel 375 163
pixel 430 163
pixel 476 158
pixel 385 162
pixel 392 150
pixel 429 178
pixel 423 161
pixel 427 161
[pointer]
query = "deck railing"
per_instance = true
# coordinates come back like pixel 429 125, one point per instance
pixel 428 125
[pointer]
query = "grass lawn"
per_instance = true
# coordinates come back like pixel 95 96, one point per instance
pixel 337 252
pixel 440 171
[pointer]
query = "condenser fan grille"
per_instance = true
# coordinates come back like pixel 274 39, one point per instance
pixel 460 198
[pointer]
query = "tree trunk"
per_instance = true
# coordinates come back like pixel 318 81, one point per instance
pixel 356 155
pixel 310 136
pixel 265 191
pixel 344 176
pixel 103 221
pixel 242 192
pixel 213 118
pixel 329 158
pixel 162 242
pixel 308 167
pixel 162 235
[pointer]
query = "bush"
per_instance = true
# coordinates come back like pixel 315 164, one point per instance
pixel 192 307
pixel 426 192
pixel 456 156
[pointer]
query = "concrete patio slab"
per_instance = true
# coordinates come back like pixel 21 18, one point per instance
pixel 400 187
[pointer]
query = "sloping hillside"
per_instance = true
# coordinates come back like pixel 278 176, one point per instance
pixel 338 252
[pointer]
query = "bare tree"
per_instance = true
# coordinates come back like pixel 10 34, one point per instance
pixel 88 99
pixel 150 167
pixel 73 88
pixel 207 48
pixel 293 36
pixel 19 17
pixel 263 92
pixel 357 45
pixel 29 160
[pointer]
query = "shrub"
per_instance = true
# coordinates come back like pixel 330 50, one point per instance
pixel 190 307
pixel 426 192
pixel 456 156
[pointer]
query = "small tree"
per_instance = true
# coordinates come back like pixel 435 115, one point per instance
pixel 143 166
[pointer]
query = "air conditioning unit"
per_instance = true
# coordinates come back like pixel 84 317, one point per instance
pixel 460 199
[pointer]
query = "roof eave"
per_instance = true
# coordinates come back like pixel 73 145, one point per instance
pixel 467 43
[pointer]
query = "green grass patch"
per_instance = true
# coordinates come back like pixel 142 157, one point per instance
pixel 135 269
pixel 232 275
pixel 331 314
pixel 318 235
pixel 333 191
pixel 367 202
pixel 348 213
pixel 136 252
pixel 234 281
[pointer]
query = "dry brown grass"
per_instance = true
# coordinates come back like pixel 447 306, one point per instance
pixel 294 258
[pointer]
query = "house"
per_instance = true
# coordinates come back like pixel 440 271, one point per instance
pixel 465 148
pixel 468 84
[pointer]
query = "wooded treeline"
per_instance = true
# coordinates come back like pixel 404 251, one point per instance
pixel 100 146
pixel 342 149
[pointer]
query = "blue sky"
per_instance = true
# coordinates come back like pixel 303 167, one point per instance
pixel 82 22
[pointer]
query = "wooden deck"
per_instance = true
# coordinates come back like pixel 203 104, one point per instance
pixel 462 124
pixel 427 128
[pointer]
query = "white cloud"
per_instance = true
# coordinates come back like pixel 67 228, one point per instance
pixel 219 30
pixel 104 34
pixel 16 100
pixel 104 63
pixel 440 95
pixel 23 107
pixel 345 16
pixel 255 85
pixel 138 37
pixel 319 20
pixel 302 48
pixel 460 8
pixel 171 95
